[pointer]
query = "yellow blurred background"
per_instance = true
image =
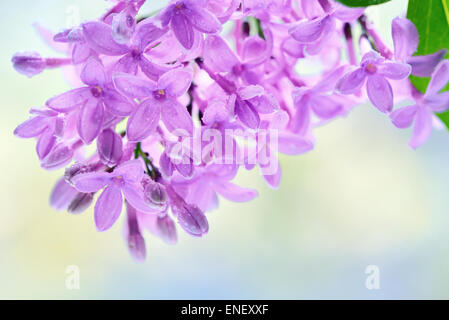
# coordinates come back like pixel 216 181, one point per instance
pixel 362 197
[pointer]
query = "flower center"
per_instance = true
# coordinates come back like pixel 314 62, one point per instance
pixel 135 53
pixel 96 91
pixel 118 181
pixel 371 68
pixel 159 94
pixel 180 6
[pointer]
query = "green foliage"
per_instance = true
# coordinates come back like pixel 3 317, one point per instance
pixel 431 18
pixel 362 3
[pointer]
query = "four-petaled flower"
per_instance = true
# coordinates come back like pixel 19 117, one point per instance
pixel 422 112
pixel 126 179
pixel 92 101
pixel 374 71
pixel 187 18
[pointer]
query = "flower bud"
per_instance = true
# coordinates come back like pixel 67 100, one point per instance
pixel 165 164
pixel 75 169
pixel 135 240
pixel 81 202
pixel 58 157
pixel 28 63
pixel 154 194
pixel 62 195
pixel 137 248
pixel 167 229
pixel 192 220
pixel 110 147
pixel 123 25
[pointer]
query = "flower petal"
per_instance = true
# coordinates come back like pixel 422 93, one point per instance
pixel 403 117
pixel 62 195
pixel 175 116
pixel 108 208
pixel 247 115
pixel 99 37
pixel 109 147
pixel 394 70
pixel 131 171
pixel 152 70
pixel 233 192
pixel 166 165
pixel 183 30
pixel 380 93
pixel 249 92
pixel 325 107
pixel 311 9
pixel 309 31
pixel 215 112
pixel 202 194
pixel 351 82
pixel 117 104
pixel 127 64
pixel 346 14
pixel 58 157
pixel 202 19
pixel 135 198
pixel 264 104
pixel 405 38
pixel 186 168
pixel 147 33
pixel 133 86
pixel 45 143
pixel 292 144
pixel 217 54
pixel 254 50
pixel 144 120
pixel 293 48
pixel 93 73
pixel 423 127
pixel 32 127
pixel 90 120
pixel 273 179
pixel 438 102
pixel 80 53
pixel 175 82
pixel 300 123
pixel 423 66
pixel 91 181
pixel 69 100
pixel 440 78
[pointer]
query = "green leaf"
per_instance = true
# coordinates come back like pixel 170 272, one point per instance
pixel 431 18
pixel 362 3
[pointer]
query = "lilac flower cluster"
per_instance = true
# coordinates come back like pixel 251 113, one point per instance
pixel 146 87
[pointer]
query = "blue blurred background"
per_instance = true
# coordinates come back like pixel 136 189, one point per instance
pixel 362 197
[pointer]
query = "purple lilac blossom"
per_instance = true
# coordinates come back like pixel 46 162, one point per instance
pixel 146 88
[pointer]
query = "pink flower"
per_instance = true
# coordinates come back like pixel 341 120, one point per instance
pixel 422 113
pixel 405 38
pixel 92 101
pixel 374 71
pixel 187 19
pixel 159 101
pixel 125 179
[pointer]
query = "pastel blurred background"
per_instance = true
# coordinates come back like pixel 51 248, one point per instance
pixel 362 197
